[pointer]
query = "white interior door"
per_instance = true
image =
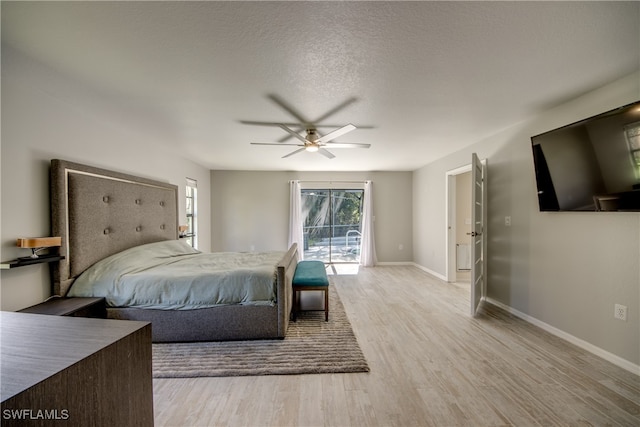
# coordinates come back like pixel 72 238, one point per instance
pixel 477 233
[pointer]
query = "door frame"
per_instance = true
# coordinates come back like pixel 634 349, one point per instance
pixel 450 220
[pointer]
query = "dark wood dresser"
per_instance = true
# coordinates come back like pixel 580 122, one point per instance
pixel 64 306
pixel 73 371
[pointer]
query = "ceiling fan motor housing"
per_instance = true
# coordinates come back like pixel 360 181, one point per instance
pixel 312 135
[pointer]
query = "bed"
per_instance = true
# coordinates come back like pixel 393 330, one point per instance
pixel 101 213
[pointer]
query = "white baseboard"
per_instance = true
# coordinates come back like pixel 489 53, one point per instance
pixel 425 269
pixel 431 272
pixel 610 357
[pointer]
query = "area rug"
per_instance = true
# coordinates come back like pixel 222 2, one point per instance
pixel 311 346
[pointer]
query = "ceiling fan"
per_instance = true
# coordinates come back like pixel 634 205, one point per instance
pixel 314 142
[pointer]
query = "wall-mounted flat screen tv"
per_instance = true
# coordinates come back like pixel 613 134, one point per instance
pixel 591 165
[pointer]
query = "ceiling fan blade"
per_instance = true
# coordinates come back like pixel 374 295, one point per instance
pixel 293 152
pixel 257 123
pixel 336 109
pixel 301 126
pixel 293 133
pixel 288 137
pixel 279 144
pixel 346 145
pixel 325 153
pixel 336 133
pixel 288 108
pixel 303 122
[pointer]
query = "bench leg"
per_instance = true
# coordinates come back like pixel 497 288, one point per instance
pixel 326 304
pixel 297 301
pixel 295 305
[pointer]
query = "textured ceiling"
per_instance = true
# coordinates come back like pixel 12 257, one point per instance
pixel 422 79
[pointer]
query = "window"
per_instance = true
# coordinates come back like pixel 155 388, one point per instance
pixel 632 132
pixel 332 227
pixel 192 209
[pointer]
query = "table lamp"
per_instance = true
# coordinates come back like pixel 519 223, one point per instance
pixel 36 244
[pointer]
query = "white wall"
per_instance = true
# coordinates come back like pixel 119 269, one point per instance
pixel 45 116
pixel 252 209
pixel 564 269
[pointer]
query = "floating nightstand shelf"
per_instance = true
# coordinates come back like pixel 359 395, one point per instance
pixel 21 262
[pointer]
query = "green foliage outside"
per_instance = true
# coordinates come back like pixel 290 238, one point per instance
pixel 322 209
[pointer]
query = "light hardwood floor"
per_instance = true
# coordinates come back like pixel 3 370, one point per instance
pixel 431 365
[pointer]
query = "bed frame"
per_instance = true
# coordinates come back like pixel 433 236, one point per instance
pixel 99 213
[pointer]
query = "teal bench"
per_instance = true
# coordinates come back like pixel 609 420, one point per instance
pixel 310 276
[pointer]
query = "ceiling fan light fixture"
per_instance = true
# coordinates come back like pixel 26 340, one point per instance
pixel 312 148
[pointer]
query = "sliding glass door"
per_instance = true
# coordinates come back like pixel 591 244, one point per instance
pixel 332 225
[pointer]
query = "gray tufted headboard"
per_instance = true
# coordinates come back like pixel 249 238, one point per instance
pixel 99 213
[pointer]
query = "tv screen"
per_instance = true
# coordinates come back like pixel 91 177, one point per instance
pixel 591 165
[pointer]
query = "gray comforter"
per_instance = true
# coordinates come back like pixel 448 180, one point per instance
pixel 171 275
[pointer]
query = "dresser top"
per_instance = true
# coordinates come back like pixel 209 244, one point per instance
pixel 34 347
